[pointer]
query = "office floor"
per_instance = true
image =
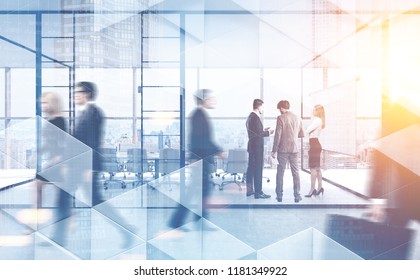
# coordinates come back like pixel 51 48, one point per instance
pixel 238 227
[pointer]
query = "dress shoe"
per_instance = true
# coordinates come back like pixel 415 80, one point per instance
pixel 249 193
pixel 321 191
pixel 279 199
pixel 313 192
pixel 262 196
pixel 298 198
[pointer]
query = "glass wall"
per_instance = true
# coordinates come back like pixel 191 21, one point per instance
pixel 240 56
pixel 149 57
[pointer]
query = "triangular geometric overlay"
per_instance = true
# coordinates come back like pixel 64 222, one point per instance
pixel 179 188
pixel 309 244
pixel 46 249
pixel 67 163
pixel 32 218
pixel 127 226
pixel 137 253
pixel 71 234
pixel 201 240
pixel 371 240
pixel 110 239
pixel 88 234
pixel 402 147
pixel 62 160
pixel 19 146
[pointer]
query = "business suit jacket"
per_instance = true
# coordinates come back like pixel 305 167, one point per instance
pixel 89 130
pixel 256 134
pixel 288 130
pixel 202 145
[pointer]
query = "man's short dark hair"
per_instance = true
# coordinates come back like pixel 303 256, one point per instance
pixel 257 103
pixel 283 104
pixel 89 88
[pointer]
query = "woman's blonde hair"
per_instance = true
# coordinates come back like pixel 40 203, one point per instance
pixel 320 113
pixel 54 101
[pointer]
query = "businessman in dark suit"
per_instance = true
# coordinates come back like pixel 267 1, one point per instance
pixel 256 134
pixel 89 129
pixel 202 147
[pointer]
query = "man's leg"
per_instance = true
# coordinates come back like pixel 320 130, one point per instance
pixel 258 168
pixel 250 175
pixel 293 159
pixel 62 215
pixel 282 159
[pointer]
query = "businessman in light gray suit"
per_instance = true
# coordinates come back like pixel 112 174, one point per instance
pixel 285 148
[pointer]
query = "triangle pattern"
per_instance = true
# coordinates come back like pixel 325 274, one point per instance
pixel 201 240
pixel 401 146
pixel 104 244
pixel 309 244
pixel 46 249
pixel 187 194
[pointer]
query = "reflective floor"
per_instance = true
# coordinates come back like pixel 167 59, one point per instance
pixel 133 224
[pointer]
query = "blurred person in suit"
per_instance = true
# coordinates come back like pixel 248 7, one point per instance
pixel 202 147
pixel 89 128
pixel 315 149
pixel 53 155
pixel 256 134
pixel 51 147
pixel 395 181
pixel 285 148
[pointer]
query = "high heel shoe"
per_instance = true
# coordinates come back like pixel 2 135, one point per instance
pixel 321 191
pixel 313 192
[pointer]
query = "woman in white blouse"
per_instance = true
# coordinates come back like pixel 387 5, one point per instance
pixel 315 149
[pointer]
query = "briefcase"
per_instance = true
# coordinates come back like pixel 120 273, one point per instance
pixel 370 240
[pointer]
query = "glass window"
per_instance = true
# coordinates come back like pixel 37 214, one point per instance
pixel 115 88
pixel 235 89
pixel 23 92
pixel 2 93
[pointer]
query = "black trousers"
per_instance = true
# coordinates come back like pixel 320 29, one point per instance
pixel 254 171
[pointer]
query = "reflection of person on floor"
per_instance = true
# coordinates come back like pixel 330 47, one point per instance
pixel 203 148
pixel 256 134
pixel 89 130
pixel 395 191
pixel 285 148
pixel 395 180
pixel 315 149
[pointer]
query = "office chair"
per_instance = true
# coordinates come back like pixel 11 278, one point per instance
pixel 134 164
pixel 111 166
pixel 237 163
pixel 214 171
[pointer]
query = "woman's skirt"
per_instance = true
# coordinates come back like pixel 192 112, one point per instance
pixel 315 150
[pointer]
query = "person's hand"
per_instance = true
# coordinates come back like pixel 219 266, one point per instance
pixel 271 131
